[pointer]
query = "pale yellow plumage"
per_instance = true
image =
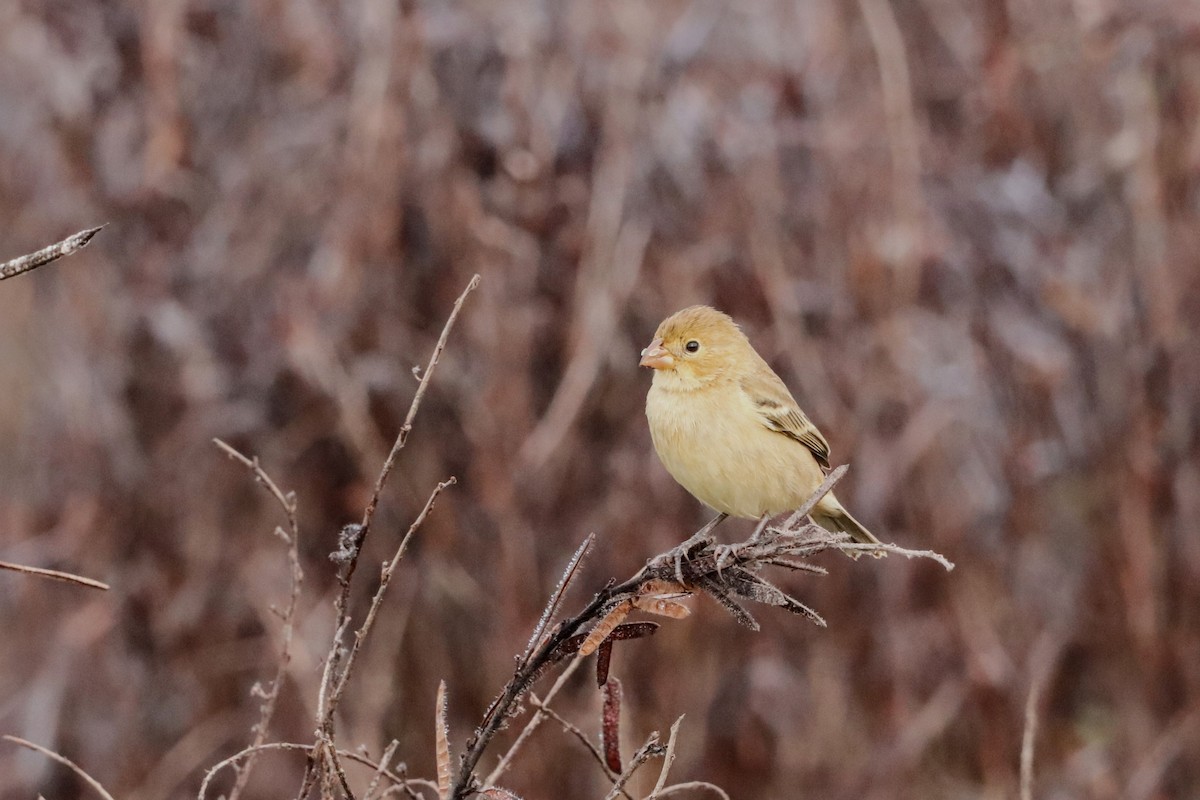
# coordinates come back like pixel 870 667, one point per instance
pixel 727 428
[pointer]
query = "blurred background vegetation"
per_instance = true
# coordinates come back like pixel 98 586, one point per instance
pixel 966 234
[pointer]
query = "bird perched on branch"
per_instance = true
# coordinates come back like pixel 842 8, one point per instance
pixel 727 428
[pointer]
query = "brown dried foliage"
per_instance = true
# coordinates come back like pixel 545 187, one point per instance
pixel 964 233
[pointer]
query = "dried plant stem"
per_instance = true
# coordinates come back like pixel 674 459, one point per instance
pixel 574 730
pixel 856 547
pixel 1027 739
pixel 54 574
pixel 556 598
pixel 692 786
pixel 668 760
pixel 88 779
pixel 292 538
pixel 385 578
pixel 336 674
pixel 527 671
pixel 72 244
pixel 646 752
pixel 402 437
pixel 835 475
pixel 538 717
pixel 442 743
pixel 388 753
pixel 397 780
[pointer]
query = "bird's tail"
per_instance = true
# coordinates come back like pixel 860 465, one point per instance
pixel 832 517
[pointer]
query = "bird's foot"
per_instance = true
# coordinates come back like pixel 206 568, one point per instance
pixel 723 553
pixel 676 555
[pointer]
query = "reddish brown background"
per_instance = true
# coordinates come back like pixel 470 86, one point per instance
pixel 965 233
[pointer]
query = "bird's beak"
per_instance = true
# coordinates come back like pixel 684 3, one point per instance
pixel 656 356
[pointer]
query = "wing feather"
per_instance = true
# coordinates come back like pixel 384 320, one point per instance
pixel 780 412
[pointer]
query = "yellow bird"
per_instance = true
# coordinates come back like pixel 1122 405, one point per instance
pixel 727 428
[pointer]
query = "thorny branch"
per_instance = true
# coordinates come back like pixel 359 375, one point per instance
pixel 72 244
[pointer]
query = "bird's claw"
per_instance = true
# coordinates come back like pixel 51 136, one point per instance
pixel 676 555
pixel 723 553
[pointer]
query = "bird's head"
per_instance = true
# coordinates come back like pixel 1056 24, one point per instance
pixel 696 346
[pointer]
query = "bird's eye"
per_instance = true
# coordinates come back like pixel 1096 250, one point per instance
pixel 692 346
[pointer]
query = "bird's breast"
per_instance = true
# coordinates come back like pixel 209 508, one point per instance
pixel 714 445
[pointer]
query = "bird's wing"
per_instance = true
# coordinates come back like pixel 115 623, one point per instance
pixel 778 410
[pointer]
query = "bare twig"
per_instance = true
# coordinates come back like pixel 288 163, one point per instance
pixel 388 752
pixel 534 721
pixel 668 760
pixel 385 578
pixel 54 574
pixel 835 475
pixel 389 569
pixel 72 244
pixel 1027 738
pixel 337 672
pixel 574 730
pixel 646 752
pixel 858 547
pixel 396 779
pixel 291 537
pixel 402 437
pixel 692 786
pixel 88 779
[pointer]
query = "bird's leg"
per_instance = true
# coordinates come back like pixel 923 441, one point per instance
pixel 699 538
pixel 760 529
pixel 702 534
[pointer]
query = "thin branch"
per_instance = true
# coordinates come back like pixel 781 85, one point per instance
pixel 858 547
pixel 351 544
pixel 54 574
pixel 292 538
pixel 668 760
pixel 396 779
pixel 385 579
pixel 88 779
pixel 694 786
pixel 402 437
pixel 388 752
pixel 646 752
pixel 574 730
pixel 330 753
pixel 538 716
pixel 1027 739
pixel 287 501
pixel 831 479
pixel 69 245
